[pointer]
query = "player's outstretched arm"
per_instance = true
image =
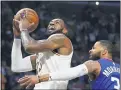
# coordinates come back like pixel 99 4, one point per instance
pixel 67 74
pixel 20 64
pixel 71 73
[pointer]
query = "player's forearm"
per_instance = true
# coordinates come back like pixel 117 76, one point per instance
pixel 27 41
pixel 67 74
pixel 70 73
pixel 19 64
pixel 31 45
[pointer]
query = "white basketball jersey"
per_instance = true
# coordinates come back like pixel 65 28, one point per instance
pixel 49 62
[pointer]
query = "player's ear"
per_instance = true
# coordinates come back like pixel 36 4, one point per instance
pixel 104 51
pixel 64 30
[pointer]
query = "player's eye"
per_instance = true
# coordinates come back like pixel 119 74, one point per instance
pixel 57 22
pixel 51 24
pixel 93 48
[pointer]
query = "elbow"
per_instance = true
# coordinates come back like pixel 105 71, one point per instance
pixel 13 69
pixel 28 49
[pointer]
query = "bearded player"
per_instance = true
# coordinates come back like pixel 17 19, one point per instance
pixel 102 70
pixel 104 73
pixel 49 55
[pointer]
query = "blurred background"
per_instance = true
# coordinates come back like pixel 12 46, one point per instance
pixel 87 22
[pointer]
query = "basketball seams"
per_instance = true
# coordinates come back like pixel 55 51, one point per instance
pixel 30 12
pixel 31 17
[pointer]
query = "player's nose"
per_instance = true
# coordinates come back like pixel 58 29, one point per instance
pixel 90 50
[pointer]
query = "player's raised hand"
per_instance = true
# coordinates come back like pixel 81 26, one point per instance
pixel 24 23
pixel 28 81
pixel 16 30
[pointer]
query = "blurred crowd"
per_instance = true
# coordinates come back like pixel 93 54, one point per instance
pixel 86 25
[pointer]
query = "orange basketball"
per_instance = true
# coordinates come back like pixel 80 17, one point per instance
pixel 31 17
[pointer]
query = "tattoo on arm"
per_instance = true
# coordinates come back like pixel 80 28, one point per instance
pixel 26 39
pixel 34 46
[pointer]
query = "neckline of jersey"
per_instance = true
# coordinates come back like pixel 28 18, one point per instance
pixel 108 59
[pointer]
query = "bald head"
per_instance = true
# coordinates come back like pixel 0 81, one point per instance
pixel 107 44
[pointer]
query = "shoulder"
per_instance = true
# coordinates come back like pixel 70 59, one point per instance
pixel 56 36
pixel 91 62
pixel 92 65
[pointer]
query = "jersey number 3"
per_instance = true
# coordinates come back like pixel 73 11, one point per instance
pixel 117 86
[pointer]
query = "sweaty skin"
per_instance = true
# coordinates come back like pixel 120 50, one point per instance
pixel 55 41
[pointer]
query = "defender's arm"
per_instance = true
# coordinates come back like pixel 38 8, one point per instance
pixel 71 73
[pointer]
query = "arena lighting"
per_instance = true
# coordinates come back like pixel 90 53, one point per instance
pixel 97 3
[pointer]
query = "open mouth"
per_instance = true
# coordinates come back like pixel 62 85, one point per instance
pixel 50 31
pixel 90 55
pixel 51 28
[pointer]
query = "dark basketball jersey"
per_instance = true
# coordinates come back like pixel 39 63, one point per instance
pixel 109 76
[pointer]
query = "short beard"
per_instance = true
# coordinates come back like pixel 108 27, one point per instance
pixel 95 57
pixel 50 32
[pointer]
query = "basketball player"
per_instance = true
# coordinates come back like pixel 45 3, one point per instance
pixel 49 55
pixel 104 73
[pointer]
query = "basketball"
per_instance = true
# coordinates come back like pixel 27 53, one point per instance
pixel 31 17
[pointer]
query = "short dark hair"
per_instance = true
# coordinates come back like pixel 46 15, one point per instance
pixel 108 45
